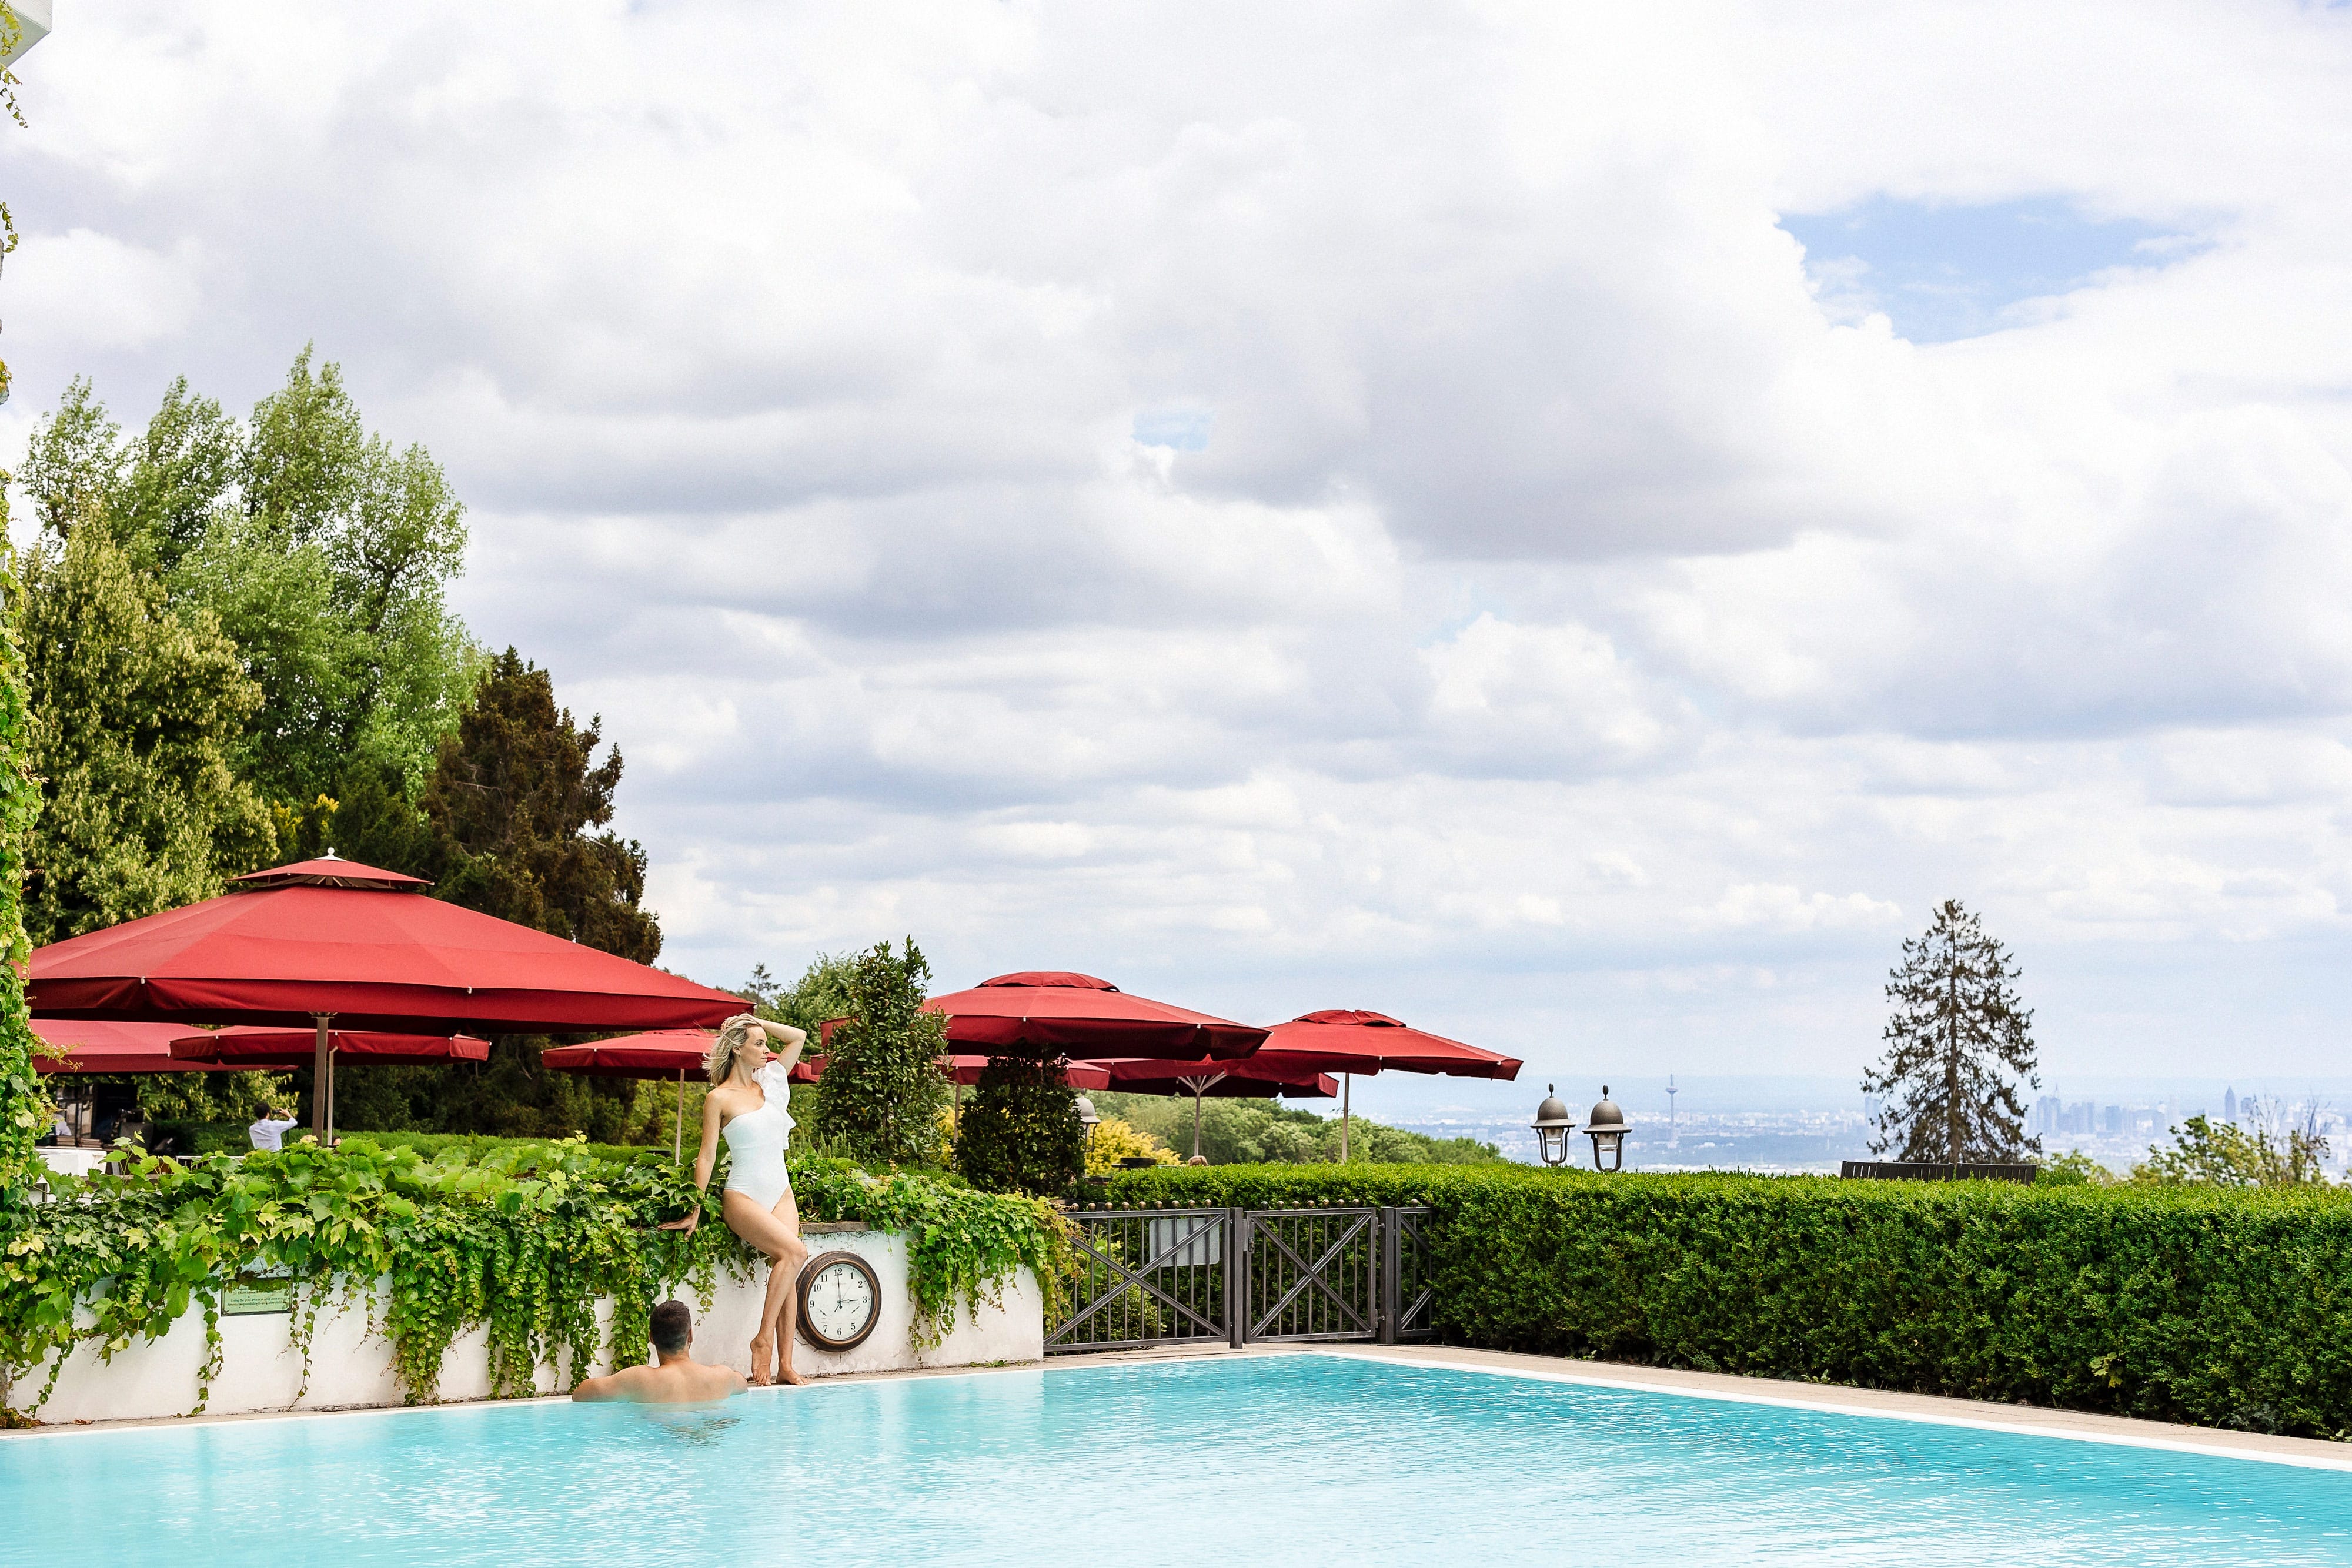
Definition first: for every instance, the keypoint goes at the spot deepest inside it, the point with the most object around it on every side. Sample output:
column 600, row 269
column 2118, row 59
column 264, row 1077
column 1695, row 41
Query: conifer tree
column 1957, row 1044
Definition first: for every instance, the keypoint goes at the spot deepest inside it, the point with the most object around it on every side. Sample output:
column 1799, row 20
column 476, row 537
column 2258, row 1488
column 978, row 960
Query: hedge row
column 2216, row 1306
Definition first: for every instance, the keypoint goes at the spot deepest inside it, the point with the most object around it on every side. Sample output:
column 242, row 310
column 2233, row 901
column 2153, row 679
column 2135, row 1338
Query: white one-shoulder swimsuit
column 756, row 1139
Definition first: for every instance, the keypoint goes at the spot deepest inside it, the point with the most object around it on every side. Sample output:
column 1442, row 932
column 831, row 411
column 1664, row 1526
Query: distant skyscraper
column 2229, row 1104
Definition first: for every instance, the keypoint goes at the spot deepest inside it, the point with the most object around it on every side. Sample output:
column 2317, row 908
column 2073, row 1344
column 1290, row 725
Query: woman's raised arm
column 793, row 1040
column 706, row 1157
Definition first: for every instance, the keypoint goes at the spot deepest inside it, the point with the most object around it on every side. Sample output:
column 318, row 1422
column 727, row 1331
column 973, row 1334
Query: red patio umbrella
column 663, row 1053
column 247, row 1046
column 97, row 1046
column 328, row 940
column 279, row 1049
column 1347, row 1041
column 1247, row 1079
column 1081, row 1018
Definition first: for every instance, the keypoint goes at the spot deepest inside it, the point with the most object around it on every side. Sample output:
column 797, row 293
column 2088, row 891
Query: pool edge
column 2027, row 1420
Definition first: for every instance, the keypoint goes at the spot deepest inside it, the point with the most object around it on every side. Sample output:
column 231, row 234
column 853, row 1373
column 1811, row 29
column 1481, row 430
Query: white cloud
column 1314, row 506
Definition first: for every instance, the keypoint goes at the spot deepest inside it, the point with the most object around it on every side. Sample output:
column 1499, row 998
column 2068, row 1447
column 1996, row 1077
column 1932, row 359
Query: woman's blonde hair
column 731, row 1036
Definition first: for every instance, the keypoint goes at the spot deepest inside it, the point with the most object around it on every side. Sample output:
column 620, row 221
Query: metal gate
column 1150, row 1277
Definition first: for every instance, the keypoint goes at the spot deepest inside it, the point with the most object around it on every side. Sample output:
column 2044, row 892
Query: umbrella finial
column 331, row 854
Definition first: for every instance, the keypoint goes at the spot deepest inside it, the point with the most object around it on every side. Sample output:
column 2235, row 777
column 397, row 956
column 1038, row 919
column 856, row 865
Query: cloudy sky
column 1572, row 526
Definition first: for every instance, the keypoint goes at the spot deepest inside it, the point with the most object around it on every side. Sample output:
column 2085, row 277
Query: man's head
column 673, row 1328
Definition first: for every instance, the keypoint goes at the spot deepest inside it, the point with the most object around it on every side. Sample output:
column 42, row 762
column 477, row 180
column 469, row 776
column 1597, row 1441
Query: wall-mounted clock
column 840, row 1301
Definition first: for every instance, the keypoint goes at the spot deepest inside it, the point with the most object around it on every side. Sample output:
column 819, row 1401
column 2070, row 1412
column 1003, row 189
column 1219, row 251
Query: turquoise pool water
column 1297, row 1459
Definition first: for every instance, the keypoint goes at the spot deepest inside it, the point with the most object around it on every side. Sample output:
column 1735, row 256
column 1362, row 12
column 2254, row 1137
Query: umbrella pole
column 678, row 1133
column 1346, row 1082
column 1196, row 1121
column 321, row 1083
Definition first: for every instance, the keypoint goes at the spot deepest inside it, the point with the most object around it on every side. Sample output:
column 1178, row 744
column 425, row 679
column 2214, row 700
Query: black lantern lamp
column 1552, row 1126
column 1607, row 1127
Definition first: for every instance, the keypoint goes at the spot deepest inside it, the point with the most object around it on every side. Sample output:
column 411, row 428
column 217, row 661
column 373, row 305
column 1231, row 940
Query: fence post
column 1389, row 1253
column 1238, row 1240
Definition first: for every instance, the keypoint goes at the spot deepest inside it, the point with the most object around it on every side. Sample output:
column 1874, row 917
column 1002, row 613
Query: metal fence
column 1154, row 1276
column 1932, row 1170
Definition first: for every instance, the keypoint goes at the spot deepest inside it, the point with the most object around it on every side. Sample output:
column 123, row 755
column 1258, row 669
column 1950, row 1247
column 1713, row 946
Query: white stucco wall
column 349, row 1367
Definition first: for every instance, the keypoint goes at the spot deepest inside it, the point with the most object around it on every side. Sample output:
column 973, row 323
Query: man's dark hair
column 672, row 1324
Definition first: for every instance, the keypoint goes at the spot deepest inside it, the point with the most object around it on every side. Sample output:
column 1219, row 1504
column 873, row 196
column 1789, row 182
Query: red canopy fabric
column 1081, row 1017
column 365, row 945
column 99, row 1046
column 284, row 1048
column 1344, row 1041
column 1247, row 1079
column 1087, row 1076
column 663, row 1053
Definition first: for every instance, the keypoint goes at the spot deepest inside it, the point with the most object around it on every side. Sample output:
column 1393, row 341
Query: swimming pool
column 1304, row 1457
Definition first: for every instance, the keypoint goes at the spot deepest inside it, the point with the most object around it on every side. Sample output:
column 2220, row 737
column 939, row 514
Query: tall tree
column 514, row 805
column 883, row 1094
column 514, row 823
column 1956, row 1046
column 135, row 712
column 23, row 1101
column 323, row 553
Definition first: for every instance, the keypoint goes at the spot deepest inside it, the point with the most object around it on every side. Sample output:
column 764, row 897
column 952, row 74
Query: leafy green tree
column 136, row 711
column 23, row 1104
column 1959, row 1041
column 1021, row 1132
column 820, row 995
column 321, row 552
column 2222, row 1153
column 883, row 1094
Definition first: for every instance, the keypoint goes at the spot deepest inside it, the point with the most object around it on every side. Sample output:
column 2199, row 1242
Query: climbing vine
column 522, row 1242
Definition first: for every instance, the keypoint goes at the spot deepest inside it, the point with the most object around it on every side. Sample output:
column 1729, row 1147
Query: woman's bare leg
column 785, row 1252
column 787, row 1213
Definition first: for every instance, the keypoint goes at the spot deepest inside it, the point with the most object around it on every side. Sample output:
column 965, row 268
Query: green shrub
column 2218, row 1307
column 1021, row 1133
column 882, row 1096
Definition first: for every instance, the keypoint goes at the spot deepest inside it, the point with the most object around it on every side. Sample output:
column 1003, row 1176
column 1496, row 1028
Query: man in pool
column 678, row 1379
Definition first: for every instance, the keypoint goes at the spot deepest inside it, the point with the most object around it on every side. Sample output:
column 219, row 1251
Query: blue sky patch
column 1943, row 273
column 1185, row 429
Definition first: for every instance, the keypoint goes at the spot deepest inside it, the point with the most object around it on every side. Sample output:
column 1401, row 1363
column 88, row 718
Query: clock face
column 839, row 1298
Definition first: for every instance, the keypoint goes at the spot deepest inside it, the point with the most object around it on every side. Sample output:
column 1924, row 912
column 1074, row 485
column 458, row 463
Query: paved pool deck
column 1978, row 1413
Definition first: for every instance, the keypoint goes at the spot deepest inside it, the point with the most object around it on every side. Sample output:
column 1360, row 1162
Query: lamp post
column 1552, row 1126
column 1607, row 1127
column 1087, row 1118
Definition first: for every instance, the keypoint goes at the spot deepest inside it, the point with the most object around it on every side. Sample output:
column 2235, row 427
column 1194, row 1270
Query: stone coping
column 2028, row 1419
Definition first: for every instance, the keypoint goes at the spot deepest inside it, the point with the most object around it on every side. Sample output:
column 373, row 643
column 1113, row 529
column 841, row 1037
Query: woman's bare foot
column 786, row 1374
column 762, row 1351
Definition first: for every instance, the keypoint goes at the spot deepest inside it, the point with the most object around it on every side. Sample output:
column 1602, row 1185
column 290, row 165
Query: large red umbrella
column 252, row 1046
column 1347, row 1041
column 283, row 1048
column 330, row 941
column 1247, row 1079
column 97, row 1046
column 1077, row 1016
column 663, row 1053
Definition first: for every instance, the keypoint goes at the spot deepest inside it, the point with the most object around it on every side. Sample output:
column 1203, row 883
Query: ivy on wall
column 522, row 1241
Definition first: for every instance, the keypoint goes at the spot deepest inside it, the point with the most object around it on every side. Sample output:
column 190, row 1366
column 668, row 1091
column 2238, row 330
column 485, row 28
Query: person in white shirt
column 269, row 1133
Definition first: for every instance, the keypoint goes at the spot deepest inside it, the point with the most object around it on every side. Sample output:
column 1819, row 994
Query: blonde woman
column 749, row 1099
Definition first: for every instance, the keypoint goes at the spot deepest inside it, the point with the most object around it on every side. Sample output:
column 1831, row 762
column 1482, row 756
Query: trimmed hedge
column 2216, row 1307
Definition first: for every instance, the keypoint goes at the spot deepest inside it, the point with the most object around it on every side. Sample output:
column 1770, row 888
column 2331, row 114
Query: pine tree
column 513, row 824
column 1957, row 1043
column 882, row 1094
